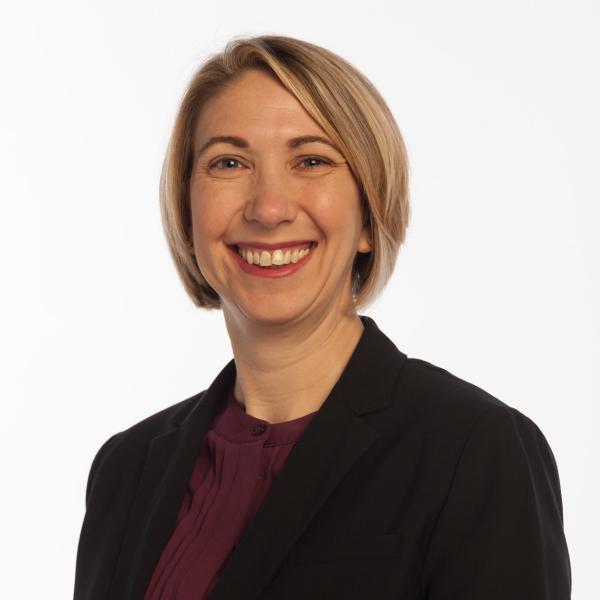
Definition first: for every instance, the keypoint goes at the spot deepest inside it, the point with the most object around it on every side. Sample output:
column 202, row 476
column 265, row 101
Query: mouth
column 277, row 262
column 274, row 256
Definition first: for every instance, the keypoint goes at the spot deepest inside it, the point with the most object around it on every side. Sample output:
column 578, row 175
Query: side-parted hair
column 345, row 104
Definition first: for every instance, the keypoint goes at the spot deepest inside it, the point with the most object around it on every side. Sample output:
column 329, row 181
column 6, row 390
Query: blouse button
column 258, row 429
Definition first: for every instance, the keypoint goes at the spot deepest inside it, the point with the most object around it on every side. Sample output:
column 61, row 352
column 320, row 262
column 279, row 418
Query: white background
column 498, row 281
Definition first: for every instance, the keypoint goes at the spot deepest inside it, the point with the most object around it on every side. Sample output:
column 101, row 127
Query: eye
column 317, row 158
column 220, row 160
column 230, row 159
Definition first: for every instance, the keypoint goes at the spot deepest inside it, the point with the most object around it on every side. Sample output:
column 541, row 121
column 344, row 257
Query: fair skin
column 291, row 335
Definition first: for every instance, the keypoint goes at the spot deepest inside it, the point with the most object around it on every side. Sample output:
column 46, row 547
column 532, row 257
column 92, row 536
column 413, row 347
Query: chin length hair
column 345, row 104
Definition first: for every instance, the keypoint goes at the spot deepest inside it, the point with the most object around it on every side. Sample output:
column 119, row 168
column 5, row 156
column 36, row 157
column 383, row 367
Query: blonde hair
column 345, row 104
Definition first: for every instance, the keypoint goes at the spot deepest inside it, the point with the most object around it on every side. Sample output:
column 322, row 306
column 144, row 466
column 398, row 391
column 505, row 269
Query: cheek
column 337, row 214
column 209, row 220
column 205, row 236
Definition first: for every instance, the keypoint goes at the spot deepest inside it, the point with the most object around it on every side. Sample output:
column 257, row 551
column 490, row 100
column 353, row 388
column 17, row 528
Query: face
column 262, row 193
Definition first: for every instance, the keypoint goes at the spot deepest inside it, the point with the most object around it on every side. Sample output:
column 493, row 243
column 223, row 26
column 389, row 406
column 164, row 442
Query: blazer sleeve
column 100, row 454
column 500, row 531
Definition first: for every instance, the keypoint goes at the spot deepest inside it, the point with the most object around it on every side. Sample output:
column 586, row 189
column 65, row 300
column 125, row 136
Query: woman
column 322, row 462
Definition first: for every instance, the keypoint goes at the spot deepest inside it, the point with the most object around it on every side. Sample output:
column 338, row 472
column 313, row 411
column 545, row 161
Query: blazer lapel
column 333, row 441
column 165, row 476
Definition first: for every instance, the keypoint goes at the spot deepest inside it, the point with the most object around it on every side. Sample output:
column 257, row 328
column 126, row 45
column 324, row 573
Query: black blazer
column 409, row 483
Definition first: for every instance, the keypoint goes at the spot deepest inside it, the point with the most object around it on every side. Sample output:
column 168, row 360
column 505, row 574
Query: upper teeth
column 264, row 258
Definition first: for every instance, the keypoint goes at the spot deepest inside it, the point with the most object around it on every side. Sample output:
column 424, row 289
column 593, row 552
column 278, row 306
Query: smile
column 275, row 263
column 278, row 257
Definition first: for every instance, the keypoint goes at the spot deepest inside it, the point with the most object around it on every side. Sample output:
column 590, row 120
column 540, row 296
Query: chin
column 276, row 312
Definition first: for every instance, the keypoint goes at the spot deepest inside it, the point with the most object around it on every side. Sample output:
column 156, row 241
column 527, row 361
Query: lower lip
column 281, row 271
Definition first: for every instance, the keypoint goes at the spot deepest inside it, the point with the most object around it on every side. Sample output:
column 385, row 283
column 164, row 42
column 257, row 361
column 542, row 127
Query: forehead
column 256, row 105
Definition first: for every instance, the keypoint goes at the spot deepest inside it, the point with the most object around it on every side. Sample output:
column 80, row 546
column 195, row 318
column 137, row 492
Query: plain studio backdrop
column 498, row 281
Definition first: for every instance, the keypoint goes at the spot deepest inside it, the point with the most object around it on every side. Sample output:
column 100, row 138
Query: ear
column 364, row 241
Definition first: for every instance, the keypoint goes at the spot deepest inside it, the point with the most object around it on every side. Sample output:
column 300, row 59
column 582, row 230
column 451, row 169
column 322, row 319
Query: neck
column 285, row 371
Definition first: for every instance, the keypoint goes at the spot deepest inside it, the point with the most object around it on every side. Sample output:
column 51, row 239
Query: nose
column 271, row 202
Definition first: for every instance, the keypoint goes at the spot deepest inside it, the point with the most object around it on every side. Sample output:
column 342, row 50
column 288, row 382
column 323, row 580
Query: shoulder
column 127, row 448
column 439, row 395
column 452, row 410
column 459, row 423
column 162, row 421
column 442, row 388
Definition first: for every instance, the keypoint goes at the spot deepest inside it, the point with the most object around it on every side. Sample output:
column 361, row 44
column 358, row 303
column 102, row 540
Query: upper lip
column 266, row 246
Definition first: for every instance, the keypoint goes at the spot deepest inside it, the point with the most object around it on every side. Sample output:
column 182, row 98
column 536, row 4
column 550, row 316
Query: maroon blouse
column 233, row 473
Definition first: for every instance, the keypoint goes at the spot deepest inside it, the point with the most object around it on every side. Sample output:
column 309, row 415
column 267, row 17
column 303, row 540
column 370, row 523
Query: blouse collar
column 235, row 425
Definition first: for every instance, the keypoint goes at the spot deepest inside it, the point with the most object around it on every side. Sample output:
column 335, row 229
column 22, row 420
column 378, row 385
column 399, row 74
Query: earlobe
column 364, row 244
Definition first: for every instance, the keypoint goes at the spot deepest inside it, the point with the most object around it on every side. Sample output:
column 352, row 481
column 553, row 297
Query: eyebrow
column 239, row 142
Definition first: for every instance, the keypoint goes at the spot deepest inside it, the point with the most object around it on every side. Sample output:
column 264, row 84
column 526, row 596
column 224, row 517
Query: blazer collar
column 334, row 439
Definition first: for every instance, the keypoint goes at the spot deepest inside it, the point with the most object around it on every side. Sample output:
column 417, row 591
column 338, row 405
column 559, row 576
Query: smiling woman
column 321, row 108
column 322, row 462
